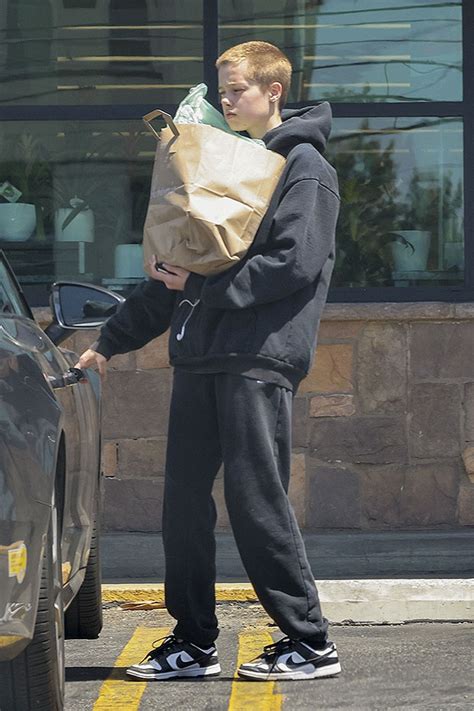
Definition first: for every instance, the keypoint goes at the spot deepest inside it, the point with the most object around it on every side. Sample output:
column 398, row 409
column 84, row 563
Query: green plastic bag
column 195, row 109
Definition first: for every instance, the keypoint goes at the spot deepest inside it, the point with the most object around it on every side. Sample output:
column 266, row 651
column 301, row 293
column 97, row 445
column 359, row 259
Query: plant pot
column 17, row 221
column 80, row 229
column 129, row 261
column 410, row 254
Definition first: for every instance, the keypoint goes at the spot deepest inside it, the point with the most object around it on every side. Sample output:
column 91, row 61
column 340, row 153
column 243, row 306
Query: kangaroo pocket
column 206, row 331
column 235, row 333
column 273, row 330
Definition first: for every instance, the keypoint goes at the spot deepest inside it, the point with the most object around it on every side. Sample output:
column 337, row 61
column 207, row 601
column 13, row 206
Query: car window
column 11, row 301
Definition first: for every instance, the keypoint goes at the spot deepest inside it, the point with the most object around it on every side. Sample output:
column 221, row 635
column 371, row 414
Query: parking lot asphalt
column 413, row 666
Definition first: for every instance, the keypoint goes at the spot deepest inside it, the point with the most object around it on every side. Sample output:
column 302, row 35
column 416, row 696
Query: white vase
column 410, row 254
column 129, row 261
column 17, row 221
column 80, row 229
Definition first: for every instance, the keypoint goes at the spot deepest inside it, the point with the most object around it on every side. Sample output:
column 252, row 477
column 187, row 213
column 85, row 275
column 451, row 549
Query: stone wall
column 383, row 425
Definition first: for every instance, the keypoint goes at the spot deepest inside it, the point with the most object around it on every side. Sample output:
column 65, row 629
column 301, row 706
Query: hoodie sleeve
column 301, row 241
column 143, row 316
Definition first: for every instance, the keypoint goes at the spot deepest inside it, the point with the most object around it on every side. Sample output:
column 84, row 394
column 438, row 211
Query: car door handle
column 71, row 377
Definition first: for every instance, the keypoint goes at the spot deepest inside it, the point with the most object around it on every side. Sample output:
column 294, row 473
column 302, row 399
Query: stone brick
column 381, row 371
column 297, row 489
column 332, row 370
column 109, row 458
column 154, row 354
column 136, row 404
column 362, row 440
column 141, row 458
column 442, row 350
column 42, row 315
column 466, row 506
column 468, row 459
column 469, row 412
column 332, row 406
column 434, row 425
column 338, row 330
column 133, row 504
column 381, row 487
column 300, row 433
column 429, row 495
column 333, row 497
column 82, row 340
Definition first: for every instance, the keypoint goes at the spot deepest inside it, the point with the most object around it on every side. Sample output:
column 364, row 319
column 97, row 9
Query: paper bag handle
column 148, row 118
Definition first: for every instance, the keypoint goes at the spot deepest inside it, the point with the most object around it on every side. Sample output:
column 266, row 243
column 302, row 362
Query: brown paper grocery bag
column 209, row 193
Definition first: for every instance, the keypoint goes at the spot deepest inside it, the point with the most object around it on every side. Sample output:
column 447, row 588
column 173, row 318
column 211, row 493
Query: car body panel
column 36, row 421
column 30, row 419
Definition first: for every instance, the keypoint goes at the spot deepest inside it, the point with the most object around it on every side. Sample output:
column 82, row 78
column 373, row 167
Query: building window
column 77, row 75
column 393, row 72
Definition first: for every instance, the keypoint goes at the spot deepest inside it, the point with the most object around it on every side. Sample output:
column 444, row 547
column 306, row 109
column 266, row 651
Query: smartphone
column 160, row 268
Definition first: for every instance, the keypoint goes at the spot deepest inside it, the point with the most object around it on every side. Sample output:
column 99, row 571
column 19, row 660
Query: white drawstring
column 180, row 335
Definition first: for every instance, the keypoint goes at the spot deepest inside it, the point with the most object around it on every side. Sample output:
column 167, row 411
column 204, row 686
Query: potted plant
column 416, row 223
column 368, row 210
column 25, row 189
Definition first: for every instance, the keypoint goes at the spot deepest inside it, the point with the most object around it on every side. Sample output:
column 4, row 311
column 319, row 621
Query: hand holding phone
column 160, row 268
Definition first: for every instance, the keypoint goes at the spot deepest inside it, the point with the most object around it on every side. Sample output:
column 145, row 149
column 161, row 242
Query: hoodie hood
column 311, row 124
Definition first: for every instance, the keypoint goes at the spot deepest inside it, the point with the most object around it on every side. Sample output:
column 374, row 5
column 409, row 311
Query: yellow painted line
column 146, row 592
column 123, row 693
column 258, row 695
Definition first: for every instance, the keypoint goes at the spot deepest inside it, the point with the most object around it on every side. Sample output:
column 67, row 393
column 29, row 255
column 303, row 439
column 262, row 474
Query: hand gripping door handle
column 148, row 118
column 73, row 376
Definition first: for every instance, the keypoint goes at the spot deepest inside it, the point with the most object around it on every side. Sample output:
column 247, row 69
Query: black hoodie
column 260, row 317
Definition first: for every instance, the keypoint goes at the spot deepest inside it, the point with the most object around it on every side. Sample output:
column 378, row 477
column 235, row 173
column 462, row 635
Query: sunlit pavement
column 413, row 666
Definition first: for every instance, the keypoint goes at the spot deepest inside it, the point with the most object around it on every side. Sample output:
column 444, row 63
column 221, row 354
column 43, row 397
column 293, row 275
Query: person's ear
column 275, row 90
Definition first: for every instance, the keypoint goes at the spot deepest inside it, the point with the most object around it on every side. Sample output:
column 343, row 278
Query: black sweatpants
column 246, row 424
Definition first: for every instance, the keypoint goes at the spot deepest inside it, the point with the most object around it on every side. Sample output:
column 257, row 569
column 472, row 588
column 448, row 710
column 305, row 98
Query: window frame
column 463, row 109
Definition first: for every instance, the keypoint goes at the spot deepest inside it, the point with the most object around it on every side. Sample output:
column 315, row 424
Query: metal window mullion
column 397, row 109
column 97, row 112
column 210, row 11
column 468, row 101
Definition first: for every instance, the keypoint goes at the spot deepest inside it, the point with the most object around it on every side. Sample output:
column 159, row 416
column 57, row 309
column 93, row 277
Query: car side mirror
column 79, row 306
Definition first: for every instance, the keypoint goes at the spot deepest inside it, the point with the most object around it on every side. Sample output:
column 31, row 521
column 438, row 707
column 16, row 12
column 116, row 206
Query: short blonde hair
column 265, row 64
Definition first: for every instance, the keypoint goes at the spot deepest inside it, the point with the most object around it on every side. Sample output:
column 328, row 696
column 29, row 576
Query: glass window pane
column 73, row 199
column 401, row 220
column 99, row 52
column 357, row 50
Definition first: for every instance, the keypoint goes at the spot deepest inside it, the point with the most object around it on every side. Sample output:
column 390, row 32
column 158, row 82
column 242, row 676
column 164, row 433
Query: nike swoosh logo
column 180, row 660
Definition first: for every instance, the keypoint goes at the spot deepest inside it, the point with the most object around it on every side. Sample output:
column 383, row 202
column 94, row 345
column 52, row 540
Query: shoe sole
column 322, row 672
column 213, row 670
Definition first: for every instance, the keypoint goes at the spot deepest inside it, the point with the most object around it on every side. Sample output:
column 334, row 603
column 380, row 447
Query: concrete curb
column 387, row 601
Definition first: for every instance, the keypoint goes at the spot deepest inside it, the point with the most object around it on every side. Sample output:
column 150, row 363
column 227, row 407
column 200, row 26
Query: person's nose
column 225, row 101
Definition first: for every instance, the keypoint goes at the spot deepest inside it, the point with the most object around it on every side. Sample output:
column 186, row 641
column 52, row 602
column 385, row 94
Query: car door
column 79, row 425
column 30, row 426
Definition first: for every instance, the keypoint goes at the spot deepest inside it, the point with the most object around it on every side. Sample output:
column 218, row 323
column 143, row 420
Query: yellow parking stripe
column 124, row 694
column 256, row 695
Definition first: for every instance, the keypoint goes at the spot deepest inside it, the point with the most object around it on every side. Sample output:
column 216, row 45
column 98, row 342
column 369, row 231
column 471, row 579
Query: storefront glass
column 74, row 185
column 401, row 221
column 85, row 188
column 99, row 51
column 357, row 50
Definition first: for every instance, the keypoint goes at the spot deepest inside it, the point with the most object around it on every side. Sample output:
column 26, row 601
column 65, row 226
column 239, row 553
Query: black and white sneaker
column 289, row 659
column 176, row 658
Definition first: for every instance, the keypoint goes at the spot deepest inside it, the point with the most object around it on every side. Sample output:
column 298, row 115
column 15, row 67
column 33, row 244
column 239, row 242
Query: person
column 240, row 343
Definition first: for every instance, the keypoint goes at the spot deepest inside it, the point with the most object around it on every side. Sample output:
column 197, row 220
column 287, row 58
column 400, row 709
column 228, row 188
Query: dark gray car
column 49, row 491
